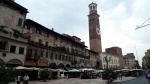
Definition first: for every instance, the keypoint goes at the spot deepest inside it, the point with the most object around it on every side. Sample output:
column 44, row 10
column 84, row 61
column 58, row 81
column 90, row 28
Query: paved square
column 76, row 81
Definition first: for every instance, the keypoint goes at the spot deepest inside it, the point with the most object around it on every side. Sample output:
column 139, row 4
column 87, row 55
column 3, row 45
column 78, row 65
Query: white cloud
column 128, row 24
column 119, row 10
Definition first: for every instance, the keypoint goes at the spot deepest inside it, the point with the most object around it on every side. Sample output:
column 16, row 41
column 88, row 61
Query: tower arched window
column 90, row 8
column 93, row 7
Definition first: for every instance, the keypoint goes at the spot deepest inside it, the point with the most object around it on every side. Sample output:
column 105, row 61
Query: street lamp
column 107, row 59
column 144, row 24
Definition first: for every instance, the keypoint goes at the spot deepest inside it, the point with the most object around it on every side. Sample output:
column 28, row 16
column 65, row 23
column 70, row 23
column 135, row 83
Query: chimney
column 52, row 29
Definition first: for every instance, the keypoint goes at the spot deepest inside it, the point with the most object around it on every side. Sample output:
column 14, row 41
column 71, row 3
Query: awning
column 87, row 69
column 97, row 71
column 74, row 70
column 68, row 68
column 62, row 68
column 22, row 68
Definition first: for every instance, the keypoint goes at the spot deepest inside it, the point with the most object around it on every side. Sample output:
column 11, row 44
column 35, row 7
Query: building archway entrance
column 14, row 63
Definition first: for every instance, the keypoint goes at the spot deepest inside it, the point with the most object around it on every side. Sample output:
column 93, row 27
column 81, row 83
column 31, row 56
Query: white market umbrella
column 35, row 68
column 20, row 67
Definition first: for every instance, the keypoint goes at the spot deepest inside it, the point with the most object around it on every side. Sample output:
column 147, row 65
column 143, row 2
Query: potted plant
column 45, row 74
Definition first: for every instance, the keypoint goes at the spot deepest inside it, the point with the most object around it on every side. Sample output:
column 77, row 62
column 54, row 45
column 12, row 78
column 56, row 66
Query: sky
column 118, row 21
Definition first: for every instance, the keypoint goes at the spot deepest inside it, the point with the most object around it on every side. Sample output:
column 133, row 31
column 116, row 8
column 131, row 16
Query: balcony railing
column 59, row 49
column 13, row 34
column 29, row 57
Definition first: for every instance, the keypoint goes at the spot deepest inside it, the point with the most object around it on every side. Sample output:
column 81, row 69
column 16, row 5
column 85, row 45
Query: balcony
column 29, row 57
column 59, row 49
column 37, row 44
column 13, row 34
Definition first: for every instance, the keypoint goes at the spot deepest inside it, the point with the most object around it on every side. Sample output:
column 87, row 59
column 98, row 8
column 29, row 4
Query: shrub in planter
column 45, row 74
column 106, row 73
column 6, row 74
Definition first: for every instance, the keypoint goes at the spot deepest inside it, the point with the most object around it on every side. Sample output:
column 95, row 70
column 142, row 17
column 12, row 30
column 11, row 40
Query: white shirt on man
column 148, row 75
column 18, row 78
column 26, row 78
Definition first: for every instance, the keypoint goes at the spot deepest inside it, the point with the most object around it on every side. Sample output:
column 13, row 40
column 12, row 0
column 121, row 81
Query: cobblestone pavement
column 77, row 81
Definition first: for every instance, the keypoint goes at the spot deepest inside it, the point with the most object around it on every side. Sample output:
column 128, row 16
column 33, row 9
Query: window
column 52, row 56
column 59, row 57
column 3, row 45
column 19, row 22
column 46, row 43
column 56, row 56
column 35, row 54
column 46, row 54
column 21, row 50
column 38, row 31
column 69, row 59
column 66, row 58
column 63, row 57
column 61, row 40
column 40, row 41
column 30, row 52
column 12, row 49
column 47, row 34
column 56, row 38
column 41, row 53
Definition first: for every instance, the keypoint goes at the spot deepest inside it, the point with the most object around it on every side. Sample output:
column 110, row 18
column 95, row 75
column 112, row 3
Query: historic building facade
column 48, row 48
column 118, row 52
column 13, row 33
column 28, row 43
column 146, row 59
column 129, row 60
column 112, row 63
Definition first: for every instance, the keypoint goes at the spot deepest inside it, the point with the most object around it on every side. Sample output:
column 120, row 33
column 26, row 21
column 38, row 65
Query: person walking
column 148, row 76
column 110, row 79
column 26, row 79
column 67, row 76
column 18, row 79
column 120, row 75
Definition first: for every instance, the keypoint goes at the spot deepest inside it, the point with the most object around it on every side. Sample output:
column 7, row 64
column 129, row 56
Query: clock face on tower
column 98, row 31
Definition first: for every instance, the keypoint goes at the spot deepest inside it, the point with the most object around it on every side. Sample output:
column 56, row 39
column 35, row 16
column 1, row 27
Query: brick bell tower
column 94, row 29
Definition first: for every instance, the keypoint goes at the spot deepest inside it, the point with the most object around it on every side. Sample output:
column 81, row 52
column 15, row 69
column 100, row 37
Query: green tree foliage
column 45, row 74
column 106, row 73
column 6, row 74
column 137, row 64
